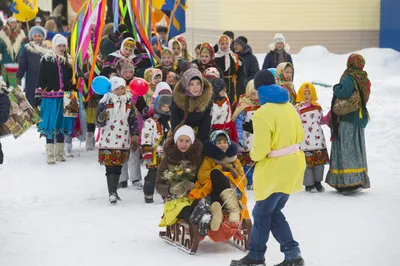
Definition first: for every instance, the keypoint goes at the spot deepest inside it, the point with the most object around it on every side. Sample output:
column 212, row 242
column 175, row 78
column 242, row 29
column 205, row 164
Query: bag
column 343, row 107
column 71, row 104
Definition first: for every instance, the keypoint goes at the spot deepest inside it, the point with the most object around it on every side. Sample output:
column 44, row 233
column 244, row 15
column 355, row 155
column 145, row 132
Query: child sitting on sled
column 221, row 177
column 177, row 173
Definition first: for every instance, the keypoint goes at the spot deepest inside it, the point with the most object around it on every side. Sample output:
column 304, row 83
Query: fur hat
column 37, row 30
column 263, row 77
column 190, row 75
column 58, row 39
column 164, row 99
column 117, row 82
column 279, row 38
column 184, row 131
column 38, row 19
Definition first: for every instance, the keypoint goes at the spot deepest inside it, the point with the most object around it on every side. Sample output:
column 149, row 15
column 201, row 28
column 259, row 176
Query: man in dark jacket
column 4, row 113
column 250, row 62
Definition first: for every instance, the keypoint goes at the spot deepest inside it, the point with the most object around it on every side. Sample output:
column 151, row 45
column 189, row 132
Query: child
column 211, row 73
column 154, row 134
column 116, row 118
column 55, row 77
column 243, row 117
column 175, row 46
column 118, row 58
column 313, row 145
column 219, row 171
column 232, row 67
column 177, row 173
column 221, row 112
column 206, row 59
column 153, row 76
column 284, row 75
column 197, row 51
column 186, row 55
column 171, row 78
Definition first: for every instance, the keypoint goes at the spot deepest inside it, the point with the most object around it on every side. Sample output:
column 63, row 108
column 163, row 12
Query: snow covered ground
column 59, row 215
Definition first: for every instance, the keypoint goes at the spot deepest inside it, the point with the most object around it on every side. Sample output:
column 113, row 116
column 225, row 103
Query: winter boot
column 112, row 184
column 231, row 204
column 216, row 213
column 51, row 159
column 247, row 261
column 137, row 185
column 90, row 141
column 123, row 184
column 113, row 198
column 319, row 187
column 311, row 189
column 296, row 262
column 68, row 150
column 148, row 198
column 60, row 152
column 202, row 207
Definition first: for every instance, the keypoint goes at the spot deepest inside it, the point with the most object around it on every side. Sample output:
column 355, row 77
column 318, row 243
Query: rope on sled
column 234, row 190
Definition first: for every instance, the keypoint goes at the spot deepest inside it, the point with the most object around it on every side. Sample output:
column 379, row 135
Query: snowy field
column 59, row 215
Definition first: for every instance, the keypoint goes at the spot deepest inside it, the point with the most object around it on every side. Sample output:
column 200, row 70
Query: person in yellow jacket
column 279, row 171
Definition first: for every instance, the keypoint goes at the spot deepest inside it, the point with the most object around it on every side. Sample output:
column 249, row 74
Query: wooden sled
column 186, row 236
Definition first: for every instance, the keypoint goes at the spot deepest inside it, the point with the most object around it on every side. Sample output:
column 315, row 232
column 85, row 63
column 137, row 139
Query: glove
column 230, row 169
column 189, row 185
column 248, row 126
column 38, row 101
column 103, row 116
column 135, row 143
column 178, row 189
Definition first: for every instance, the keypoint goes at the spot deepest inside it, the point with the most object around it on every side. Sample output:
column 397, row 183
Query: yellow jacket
column 276, row 125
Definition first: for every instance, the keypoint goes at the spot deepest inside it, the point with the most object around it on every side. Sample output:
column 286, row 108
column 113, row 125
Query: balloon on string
column 273, row 71
column 101, row 85
column 24, row 11
column 138, row 86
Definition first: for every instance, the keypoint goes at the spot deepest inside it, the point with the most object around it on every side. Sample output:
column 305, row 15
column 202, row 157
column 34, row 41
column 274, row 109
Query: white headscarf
column 227, row 55
column 119, row 111
column 119, row 53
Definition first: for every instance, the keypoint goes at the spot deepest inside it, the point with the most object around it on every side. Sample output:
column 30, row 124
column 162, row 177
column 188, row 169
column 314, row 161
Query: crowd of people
column 209, row 126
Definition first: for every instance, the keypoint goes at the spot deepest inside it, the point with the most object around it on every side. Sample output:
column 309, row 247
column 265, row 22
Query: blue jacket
column 271, row 60
column 4, row 113
column 29, row 62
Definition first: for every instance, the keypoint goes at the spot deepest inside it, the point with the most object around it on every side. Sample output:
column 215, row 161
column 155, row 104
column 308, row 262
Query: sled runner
column 186, row 236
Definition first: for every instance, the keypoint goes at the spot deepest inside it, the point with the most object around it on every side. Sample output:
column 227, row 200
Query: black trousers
column 112, row 174
column 219, row 184
column 150, row 182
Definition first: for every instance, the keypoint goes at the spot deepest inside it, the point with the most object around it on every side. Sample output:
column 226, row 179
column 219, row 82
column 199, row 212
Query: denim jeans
column 268, row 217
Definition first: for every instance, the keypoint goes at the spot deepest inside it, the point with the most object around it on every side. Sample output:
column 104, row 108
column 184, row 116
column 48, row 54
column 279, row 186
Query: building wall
column 340, row 25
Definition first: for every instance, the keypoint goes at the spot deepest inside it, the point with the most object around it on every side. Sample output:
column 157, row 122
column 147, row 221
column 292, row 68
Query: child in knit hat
column 221, row 111
column 119, row 133
column 153, row 76
column 177, row 174
column 313, row 145
column 153, row 136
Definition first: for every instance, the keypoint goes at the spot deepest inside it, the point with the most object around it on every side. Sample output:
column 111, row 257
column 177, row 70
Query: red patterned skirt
column 318, row 157
column 113, row 157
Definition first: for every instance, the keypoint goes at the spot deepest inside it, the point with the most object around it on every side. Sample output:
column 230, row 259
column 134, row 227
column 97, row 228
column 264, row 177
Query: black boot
column 319, row 187
column 311, row 189
column 296, row 262
column 148, row 198
column 112, row 184
column 247, row 261
column 123, row 184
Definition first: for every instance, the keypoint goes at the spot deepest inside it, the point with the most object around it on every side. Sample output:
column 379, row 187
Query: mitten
column 102, row 116
column 189, row 185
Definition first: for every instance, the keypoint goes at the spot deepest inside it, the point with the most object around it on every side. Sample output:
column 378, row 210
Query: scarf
column 245, row 100
column 355, row 66
column 227, row 54
column 119, row 111
column 286, row 84
column 281, row 56
column 311, row 88
column 12, row 34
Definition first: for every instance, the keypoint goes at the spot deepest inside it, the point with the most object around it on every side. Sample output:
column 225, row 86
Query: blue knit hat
column 37, row 30
column 216, row 133
column 154, row 40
